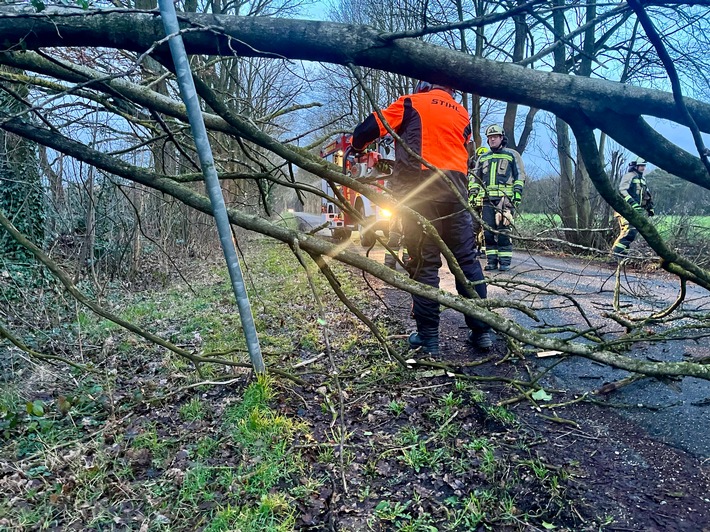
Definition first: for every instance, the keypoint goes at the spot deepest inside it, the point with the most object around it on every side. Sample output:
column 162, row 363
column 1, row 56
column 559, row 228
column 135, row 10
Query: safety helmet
column 482, row 150
column 495, row 129
column 426, row 86
column 633, row 165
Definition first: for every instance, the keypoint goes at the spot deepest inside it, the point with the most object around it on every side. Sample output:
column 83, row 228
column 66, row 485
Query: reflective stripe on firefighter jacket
column 434, row 126
column 476, row 191
column 502, row 173
column 634, row 190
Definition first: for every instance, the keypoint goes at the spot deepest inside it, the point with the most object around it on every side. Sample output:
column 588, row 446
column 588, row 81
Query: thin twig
column 334, row 369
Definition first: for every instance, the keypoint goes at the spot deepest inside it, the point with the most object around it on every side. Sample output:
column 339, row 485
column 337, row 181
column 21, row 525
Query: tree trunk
column 57, row 197
column 86, row 257
column 20, row 187
column 511, row 109
column 582, row 182
column 582, row 199
column 568, row 204
column 476, row 123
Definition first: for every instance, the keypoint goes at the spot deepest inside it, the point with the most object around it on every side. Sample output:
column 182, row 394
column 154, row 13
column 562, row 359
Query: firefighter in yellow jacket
column 502, row 174
column 476, row 192
column 634, row 190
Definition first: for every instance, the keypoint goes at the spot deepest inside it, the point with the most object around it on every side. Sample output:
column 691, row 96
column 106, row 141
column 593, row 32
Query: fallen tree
column 586, row 104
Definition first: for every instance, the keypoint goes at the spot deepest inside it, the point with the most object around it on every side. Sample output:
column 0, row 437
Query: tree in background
column 673, row 195
column 21, row 192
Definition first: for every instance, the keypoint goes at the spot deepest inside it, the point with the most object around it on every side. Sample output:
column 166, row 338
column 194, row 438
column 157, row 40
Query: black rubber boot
column 427, row 340
column 482, row 340
column 491, row 265
column 504, row 266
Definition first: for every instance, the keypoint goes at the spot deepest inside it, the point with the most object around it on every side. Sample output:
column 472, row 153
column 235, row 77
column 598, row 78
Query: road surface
column 676, row 412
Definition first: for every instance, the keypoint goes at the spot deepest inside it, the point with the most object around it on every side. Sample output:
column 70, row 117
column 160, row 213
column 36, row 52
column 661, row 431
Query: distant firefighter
column 476, row 192
column 502, row 174
column 634, row 190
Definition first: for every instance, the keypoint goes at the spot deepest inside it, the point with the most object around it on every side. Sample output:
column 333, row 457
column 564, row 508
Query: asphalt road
column 676, row 412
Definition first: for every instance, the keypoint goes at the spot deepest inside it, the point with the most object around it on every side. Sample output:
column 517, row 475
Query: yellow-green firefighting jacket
column 476, row 192
column 502, row 174
column 634, row 190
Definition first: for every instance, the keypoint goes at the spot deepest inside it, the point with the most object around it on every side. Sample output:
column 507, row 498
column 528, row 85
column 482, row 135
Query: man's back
column 436, row 127
column 433, row 126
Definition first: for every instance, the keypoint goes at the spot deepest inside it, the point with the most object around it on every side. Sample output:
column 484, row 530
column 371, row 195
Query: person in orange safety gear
column 436, row 128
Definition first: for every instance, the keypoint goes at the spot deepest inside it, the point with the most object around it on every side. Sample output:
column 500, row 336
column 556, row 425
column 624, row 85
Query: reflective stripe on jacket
column 502, row 173
column 476, row 192
column 633, row 186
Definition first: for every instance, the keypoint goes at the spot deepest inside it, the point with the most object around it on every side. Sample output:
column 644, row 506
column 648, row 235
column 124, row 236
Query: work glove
column 472, row 195
column 357, row 152
column 507, row 217
column 383, row 167
column 649, row 207
column 517, row 198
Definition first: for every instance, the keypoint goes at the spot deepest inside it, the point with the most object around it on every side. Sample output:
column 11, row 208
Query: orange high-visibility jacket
column 433, row 125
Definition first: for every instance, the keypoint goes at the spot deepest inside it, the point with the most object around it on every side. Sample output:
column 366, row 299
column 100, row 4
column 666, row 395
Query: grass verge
column 144, row 444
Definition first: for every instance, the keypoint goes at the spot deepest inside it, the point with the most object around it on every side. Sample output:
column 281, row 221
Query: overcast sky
column 538, row 154
column 678, row 134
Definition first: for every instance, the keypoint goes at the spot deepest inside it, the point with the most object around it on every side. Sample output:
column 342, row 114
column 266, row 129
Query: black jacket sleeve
column 365, row 133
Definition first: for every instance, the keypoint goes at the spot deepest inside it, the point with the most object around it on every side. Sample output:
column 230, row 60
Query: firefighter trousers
column 627, row 234
column 453, row 223
column 499, row 246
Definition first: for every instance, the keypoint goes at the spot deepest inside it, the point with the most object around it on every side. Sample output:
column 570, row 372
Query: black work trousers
column 453, row 223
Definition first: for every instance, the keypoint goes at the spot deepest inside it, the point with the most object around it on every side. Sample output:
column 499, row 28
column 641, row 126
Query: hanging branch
column 80, row 297
column 674, row 305
column 477, row 22
column 668, row 64
column 5, row 333
column 99, row 310
column 335, row 285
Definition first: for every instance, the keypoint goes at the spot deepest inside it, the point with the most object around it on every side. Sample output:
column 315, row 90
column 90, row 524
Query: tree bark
column 582, row 200
column 605, row 105
column 568, row 203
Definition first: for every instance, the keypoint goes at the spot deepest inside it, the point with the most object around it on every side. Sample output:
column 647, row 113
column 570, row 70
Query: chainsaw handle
column 347, row 153
column 352, row 153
